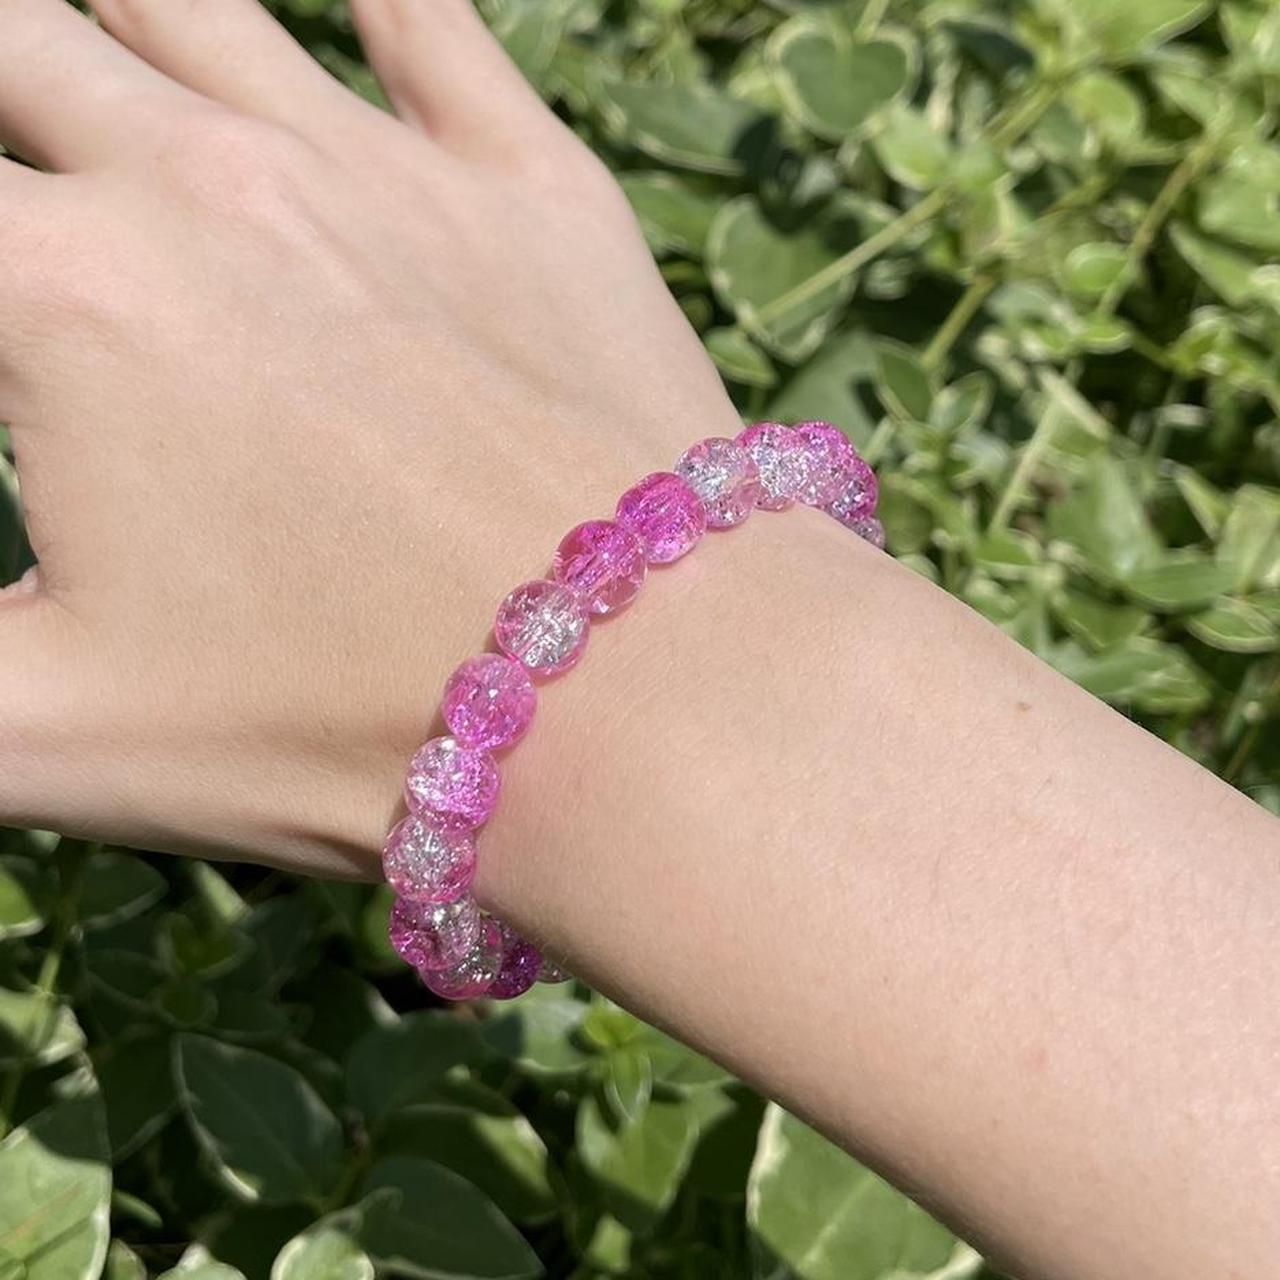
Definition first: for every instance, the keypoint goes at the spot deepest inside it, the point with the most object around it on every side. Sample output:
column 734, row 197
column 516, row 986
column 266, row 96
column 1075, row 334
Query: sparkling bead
column 858, row 495
column 723, row 474
column 779, row 457
column 454, row 787
column 666, row 515
column 521, row 963
column 603, row 562
column 870, row 529
column 435, row 936
column 473, row 974
column 552, row 972
column 425, row 865
column 544, row 625
column 828, row 456
column 489, row 702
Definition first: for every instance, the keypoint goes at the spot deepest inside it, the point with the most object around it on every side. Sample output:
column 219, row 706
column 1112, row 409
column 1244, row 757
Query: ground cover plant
column 1027, row 253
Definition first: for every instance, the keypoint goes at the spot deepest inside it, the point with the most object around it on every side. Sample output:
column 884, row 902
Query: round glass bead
column 489, row 702
column 542, row 624
column 858, row 495
column 871, row 530
column 665, row 514
column 828, row 455
column 722, row 473
column 433, row 936
column 472, row 975
column 521, row 964
column 603, row 562
column 779, row 457
column 453, row 787
column 551, row 972
column 425, row 865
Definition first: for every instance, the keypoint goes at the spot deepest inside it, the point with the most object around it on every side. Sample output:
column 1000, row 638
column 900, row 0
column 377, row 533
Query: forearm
column 820, row 819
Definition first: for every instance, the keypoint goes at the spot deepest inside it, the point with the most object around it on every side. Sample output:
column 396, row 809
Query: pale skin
column 298, row 390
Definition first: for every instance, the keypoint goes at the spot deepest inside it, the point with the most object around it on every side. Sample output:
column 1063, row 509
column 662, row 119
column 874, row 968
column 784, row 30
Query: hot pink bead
column 665, row 514
column 521, row 963
column 828, row 455
column 473, row 975
column 453, row 787
column 871, row 530
column 425, row 865
column 489, row 702
column 723, row 474
column 858, row 495
column 435, row 936
column 603, row 562
column 779, row 457
column 543, row 624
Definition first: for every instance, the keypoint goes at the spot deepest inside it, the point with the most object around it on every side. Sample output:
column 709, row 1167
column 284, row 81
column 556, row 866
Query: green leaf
column 137, row 1086
column 1007, row 553
column 910, row 150
column 963, row 405
column 116, row 887
column 1145, row 674
column 904, row 385
column 1182, row 580
column 1105, row 521
column 671, row 215
column 396, row 1066
column 1207, row 502
column 1123, row 31
column 738, row 358
column 628, row 1083
column 26, row 892
column 198, row 1264
column 123, row 1263
column 1236, row 626
column 691, row 127
column 537, row 1032
column 761, row 272
column 438, row 1225
column 1091, row 269
column 826, row 1217
column 36, row 1030
column 487, row 1142
column 1250, row 541
column 826, row 387
column 638, row 1165
column 270, row 1137
column 1096, row 623
column 834, row 85
column 56, row 1183
column 328, row 1250
column 1227, row 271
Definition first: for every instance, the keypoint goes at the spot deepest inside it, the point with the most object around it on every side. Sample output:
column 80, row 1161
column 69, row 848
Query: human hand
column 294, row 388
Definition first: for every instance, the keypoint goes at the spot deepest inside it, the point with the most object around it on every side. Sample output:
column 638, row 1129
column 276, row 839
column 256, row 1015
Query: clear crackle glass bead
column 433, row 936
column 521, row 964
column 603, row 562
column 542, row 624
column 453, row 787
column 489, row 702
column 423, row 864
column 858, row 495
column 724, row 475
column 870, row 530
column 665, row 514
column 828, row 455
column 551, row 972
column 780, row 460
column 472, row 975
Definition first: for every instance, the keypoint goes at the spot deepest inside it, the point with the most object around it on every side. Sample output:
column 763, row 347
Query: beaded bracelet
column 460, row 951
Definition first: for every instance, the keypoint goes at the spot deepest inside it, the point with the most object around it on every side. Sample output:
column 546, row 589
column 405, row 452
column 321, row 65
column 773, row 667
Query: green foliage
column 1024, row 251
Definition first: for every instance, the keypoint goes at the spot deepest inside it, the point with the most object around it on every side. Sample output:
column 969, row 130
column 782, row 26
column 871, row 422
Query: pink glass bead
column 433, row 936
column 871, row 530
column 544, row 625
column 603, row 562
column 723, row 474
column 489, row 702
column 858, row 495
column 779, row 457
column 828, row 455
column 425, row 865
column 473, row 975
column 665, row 514
column 454, row 787
column 521, row 963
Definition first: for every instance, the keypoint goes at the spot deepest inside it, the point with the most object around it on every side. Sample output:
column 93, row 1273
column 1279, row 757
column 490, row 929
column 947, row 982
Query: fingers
column 234, row 52
column 70, row 96
column 444, row 72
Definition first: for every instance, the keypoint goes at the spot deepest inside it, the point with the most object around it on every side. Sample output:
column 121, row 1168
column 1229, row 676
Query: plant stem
column 1251, row 736
column 966, row 307
column 1040, row 440
column 872, row 16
